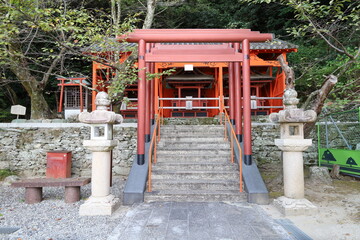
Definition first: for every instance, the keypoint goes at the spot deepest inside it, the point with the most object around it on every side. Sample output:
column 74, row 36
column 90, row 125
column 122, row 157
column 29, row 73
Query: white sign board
column 188, row 67
column 18, row 110
column 189, row 103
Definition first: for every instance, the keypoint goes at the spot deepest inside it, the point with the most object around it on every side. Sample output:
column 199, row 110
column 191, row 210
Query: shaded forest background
column 42, row 40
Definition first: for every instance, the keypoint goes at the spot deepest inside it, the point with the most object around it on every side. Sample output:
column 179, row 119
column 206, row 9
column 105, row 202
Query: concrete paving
column 198, row 221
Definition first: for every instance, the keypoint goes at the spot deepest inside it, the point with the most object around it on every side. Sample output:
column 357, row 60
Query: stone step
column 193, row 164
column 194, row 146
column 193, row 127
column 195, row 184
column 205, row 158
column 192, row 121
column 193, row 152
column 195, row 196
column 200, row 139
column 192, row 134
column 182, row 166
column 180, row 175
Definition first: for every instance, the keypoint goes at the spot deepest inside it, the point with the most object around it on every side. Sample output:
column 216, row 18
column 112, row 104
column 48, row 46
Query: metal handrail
column 152, row 149
column 189, row 99
column 232, row 140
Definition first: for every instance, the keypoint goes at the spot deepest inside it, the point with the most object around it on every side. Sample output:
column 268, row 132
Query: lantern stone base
column 295, row 207
column 96, row 206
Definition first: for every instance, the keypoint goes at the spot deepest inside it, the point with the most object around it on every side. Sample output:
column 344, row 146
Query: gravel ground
column 53, row 219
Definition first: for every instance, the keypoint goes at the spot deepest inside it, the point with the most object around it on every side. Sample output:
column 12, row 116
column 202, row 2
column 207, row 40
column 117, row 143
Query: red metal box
column 58, row 164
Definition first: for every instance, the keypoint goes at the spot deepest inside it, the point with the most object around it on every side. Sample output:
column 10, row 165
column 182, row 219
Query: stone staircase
column 193, row 165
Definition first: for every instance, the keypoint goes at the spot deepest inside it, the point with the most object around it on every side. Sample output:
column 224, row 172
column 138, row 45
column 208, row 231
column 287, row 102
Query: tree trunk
column 39, row 107
column 19, row 66
column 318, row 102
column 150, row 13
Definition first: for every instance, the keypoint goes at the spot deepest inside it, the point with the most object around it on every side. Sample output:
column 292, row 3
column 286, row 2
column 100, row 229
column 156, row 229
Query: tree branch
column 309, row 98
column 318, row 103
column 343, row 50
column 289, row 72
column 46, row 76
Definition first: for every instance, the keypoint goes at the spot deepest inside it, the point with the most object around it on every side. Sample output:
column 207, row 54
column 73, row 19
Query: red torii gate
column 145, row 38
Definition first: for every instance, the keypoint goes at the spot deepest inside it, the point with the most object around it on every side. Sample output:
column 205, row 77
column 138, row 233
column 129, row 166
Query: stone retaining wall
column 23, row 147
column 264, row 149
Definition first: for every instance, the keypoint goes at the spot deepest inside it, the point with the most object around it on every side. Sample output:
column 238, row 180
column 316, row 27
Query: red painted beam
column 214, row 35
column 196, row 30
column 178, row 51
column 192, row 47
column 238, row 57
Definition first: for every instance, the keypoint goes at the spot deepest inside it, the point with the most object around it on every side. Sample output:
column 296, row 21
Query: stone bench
column 33, row 187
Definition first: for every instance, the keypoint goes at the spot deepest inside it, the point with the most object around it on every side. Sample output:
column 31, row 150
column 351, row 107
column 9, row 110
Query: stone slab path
column 198, row 221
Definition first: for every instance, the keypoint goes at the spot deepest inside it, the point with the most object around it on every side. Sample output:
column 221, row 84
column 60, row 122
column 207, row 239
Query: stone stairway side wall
column 24, row 148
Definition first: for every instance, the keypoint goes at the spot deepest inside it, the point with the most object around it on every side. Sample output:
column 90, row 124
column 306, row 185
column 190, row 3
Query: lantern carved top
column 292, row 114
column 101, row 115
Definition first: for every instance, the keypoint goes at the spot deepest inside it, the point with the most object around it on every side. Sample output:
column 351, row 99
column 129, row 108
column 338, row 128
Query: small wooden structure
column 74, row 96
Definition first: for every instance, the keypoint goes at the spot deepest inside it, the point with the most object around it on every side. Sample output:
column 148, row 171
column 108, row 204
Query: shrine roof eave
column 238, row 57
column 278, row 50
column 197, row 35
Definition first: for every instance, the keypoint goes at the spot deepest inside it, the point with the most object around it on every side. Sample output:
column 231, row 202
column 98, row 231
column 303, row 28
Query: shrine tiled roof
column 112, row 45
column 274, row 44
column 108, row 45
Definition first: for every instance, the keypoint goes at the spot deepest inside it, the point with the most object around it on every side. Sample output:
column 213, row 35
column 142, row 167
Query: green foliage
column 47, row 39
column 226, row 14
column 328, row 34
column 311, row 65
column 37, row 38
column 5, row 173
column 46, row 32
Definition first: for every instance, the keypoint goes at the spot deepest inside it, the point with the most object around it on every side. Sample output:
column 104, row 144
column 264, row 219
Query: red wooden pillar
column 221, row 89
column 152, row 86
column 61, row 95
column 238, row 120
column 156, row 93
column 141, row 103
column 148, row 103
column 231, row 92
column 81, row 96
column 94, row 84
column 246, row 102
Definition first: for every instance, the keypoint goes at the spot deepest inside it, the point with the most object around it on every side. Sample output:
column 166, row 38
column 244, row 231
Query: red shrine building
column 215, row 70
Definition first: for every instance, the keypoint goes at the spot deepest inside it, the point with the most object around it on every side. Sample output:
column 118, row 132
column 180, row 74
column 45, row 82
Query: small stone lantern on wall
column 101, row 142
column 292, row 144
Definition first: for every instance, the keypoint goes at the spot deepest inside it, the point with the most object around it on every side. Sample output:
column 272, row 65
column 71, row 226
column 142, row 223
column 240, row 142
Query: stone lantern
column 292, row 144
column 101, row 142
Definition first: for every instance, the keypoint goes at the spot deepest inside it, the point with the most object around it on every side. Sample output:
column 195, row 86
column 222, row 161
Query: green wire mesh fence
column 339, row 141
